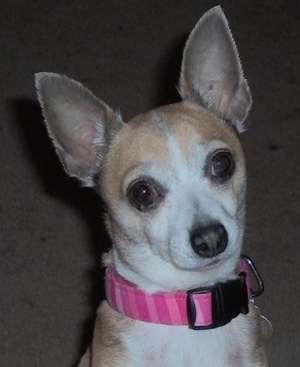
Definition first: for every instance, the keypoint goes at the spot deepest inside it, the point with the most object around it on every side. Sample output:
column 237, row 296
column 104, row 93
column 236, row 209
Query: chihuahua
column 173, row 181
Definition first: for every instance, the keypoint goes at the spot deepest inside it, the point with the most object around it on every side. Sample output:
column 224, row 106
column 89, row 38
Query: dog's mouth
column 201, row 264
column 214, row 262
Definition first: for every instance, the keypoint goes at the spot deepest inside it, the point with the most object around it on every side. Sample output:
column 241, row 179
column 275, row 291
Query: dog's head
column 173, row 179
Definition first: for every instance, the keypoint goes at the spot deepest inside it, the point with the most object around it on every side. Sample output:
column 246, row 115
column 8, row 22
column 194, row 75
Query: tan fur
column 107, row 347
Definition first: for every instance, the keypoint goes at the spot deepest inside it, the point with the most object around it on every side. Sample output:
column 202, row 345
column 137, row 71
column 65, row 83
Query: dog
column 173, row 181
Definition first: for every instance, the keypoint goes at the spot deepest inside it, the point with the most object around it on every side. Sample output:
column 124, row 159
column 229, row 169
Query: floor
column 128, row 53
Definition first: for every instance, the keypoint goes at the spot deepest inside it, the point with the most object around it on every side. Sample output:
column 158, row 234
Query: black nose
column 209, row 241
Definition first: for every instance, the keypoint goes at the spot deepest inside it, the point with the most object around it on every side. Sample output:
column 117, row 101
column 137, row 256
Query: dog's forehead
column 149, row 138
column 149, row 134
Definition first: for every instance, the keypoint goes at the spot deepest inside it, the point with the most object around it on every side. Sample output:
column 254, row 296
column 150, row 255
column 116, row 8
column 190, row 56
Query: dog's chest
column 163, row 346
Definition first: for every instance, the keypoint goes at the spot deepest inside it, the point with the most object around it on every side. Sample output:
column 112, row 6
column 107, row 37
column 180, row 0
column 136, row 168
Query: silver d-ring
column 260, row 284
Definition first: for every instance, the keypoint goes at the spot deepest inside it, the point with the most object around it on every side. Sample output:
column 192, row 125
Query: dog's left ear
column 211, row 72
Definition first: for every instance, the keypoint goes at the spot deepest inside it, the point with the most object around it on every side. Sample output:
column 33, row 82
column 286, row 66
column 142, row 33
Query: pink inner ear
column 79, row 140
column 211, row 72
column 235, row 107
column 225, row 101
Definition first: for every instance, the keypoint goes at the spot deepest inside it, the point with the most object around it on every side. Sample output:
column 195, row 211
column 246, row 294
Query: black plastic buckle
column 228, row 301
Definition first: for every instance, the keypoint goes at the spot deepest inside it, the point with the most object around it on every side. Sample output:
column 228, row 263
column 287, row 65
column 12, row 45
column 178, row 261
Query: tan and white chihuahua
column 174, row 182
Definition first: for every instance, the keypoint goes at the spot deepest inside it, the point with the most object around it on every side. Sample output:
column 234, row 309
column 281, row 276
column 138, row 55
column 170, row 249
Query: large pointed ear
column 211, row 72
column 80, row 125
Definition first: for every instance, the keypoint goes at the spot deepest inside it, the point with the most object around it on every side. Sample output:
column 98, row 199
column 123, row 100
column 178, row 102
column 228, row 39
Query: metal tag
column 266, row 328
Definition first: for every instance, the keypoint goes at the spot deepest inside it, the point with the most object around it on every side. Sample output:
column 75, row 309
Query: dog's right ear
column 79, row 124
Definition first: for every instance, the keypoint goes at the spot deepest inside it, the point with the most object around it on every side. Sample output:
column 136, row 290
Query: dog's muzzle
column 210, row 240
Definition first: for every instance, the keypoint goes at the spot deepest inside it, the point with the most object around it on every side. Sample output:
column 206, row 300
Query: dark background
column 128, row 53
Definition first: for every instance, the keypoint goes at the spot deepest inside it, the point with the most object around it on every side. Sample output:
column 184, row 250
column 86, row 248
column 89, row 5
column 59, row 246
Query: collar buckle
column 228, row 300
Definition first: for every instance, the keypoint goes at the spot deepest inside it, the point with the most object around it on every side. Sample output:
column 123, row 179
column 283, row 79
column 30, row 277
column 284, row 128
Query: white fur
column 178, row 346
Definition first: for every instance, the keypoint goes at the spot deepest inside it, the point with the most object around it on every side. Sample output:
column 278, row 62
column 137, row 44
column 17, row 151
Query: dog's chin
column 213, row 263
column 178, row 273
column 206, row 273
column 222, row 264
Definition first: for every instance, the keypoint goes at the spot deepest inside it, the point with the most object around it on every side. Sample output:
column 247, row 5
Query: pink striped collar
column 198, row 308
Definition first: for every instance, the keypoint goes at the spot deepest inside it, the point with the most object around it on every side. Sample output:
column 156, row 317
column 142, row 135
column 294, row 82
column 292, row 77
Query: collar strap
column 199, row 308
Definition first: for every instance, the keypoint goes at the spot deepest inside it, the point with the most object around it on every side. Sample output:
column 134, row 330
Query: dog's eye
column 143, row 195
column 222, row 165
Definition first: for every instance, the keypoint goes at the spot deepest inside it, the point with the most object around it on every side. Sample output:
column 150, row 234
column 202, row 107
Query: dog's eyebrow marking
column 139, row 167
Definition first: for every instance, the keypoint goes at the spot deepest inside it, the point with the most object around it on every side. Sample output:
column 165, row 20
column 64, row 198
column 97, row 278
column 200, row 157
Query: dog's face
column 176, row 192
column 173, row 179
